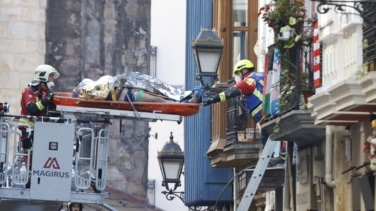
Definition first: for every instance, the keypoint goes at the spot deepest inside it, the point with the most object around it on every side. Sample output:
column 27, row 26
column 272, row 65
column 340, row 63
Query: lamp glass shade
column 207, row 49
column 172, row 169
column 208, row 60
column 171, row 161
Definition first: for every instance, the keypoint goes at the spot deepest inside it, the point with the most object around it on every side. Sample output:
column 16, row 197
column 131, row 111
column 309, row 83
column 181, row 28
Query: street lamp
column 171, row 161
column 207, row 51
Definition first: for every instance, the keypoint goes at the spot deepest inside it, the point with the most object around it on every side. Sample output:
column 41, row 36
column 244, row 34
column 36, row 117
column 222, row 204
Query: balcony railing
column 348, row 77
column 295, row 81
column 369, row 40
column 292, row 121
column 237, row 119
column 243, row 141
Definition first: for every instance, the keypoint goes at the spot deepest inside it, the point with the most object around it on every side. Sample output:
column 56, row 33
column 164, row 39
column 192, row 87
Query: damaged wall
column 83, row 38
column 110, row 37
column 89, row 39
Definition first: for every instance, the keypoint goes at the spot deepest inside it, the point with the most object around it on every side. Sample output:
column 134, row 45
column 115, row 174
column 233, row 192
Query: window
column 236, row 23
column 240, row 13
column 240, row 44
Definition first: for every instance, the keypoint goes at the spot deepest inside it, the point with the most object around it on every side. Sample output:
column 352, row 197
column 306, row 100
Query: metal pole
column 286, row 187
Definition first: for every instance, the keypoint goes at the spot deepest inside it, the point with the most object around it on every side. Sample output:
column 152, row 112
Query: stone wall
column 83, row 38
column 22, row 47
column 110, row 37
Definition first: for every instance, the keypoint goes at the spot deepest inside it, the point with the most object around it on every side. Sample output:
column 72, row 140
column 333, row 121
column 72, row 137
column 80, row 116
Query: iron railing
column 297, row 84
column 369, row 39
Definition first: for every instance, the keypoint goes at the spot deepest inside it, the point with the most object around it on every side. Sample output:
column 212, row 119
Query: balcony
column 242, row 145
column 353, row 99
column 293, row 120
column 343, row 104
column 347, row 102
column 297, row 126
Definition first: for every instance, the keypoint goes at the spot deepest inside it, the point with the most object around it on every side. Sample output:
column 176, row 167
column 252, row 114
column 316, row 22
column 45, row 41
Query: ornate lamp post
column 207, row 51
column 171, row 161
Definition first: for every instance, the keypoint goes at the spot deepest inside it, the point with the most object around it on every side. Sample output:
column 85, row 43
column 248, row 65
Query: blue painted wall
column 203, row 184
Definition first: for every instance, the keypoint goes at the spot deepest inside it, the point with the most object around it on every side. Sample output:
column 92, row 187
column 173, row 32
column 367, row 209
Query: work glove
column 45, row 102
column 48, row 100
column 211, row 101
column 50, row 95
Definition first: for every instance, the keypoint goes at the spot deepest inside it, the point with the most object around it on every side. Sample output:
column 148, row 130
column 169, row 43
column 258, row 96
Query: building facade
column 327, row 135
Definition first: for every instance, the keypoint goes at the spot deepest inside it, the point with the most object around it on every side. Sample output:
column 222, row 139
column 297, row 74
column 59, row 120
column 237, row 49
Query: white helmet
column 42, row 72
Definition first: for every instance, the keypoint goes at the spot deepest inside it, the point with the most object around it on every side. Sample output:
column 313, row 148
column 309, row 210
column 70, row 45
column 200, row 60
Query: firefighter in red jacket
column 251, row 85
column 35, row 101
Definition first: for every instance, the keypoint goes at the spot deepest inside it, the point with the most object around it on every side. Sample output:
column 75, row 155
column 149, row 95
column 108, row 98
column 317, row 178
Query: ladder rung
column 257, row 175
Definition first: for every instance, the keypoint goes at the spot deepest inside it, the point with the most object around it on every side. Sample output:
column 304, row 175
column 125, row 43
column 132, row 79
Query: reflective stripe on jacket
column 254, row 101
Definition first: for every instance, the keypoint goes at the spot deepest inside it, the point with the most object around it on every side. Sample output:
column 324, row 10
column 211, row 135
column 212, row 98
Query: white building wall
column 265, row 39
column 341, row 37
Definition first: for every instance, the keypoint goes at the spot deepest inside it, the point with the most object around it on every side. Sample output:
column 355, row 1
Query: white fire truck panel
column 51, row 173
column 69, row 160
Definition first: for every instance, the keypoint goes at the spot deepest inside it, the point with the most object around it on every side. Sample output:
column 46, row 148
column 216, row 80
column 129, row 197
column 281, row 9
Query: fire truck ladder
column 257, row 175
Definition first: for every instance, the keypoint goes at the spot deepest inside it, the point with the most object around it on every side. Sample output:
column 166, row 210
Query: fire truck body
column 68, row 162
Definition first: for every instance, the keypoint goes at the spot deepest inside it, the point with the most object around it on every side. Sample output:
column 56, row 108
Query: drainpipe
column 318, row 194
column 236, row 189
column 287, row 196
column 286, row 187
column 329, row 180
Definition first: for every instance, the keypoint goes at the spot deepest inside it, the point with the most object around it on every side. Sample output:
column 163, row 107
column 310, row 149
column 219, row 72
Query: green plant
column 288, row 16
column 306, row 75
column 287, row 79
column 290, row 25
column 280, row 13
column 361, row 71
column 287, row 85
column 275, row 128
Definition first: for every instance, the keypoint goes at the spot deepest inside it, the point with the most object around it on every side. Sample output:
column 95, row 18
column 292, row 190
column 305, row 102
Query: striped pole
column 316, row 56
